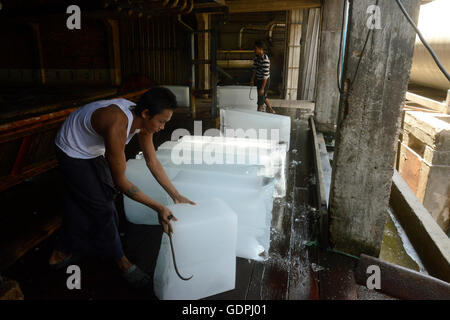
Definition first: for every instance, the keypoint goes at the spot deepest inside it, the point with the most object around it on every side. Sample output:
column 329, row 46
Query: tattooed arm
column 114, row 134
column 157, row 170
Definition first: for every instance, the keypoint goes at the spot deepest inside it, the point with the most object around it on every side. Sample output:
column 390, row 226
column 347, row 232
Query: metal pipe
column 235, row 64
column 269, row 26
column 186, row 26
column 235, row 51
column 274, row 26
column 183, row 6
column 190, row 7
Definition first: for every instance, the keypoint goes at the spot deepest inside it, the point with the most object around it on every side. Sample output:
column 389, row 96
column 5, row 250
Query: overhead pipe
column 270, row 26
column 180, row 7
column 190, row 7
column 154, row 7
column 275, row 25
column 176, row 7
column 183, row 6
column 235, row 64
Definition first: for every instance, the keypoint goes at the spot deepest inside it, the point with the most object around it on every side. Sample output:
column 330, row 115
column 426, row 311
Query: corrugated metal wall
column 157, row 48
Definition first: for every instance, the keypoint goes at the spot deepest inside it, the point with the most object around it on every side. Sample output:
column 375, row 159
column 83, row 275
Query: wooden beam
column 368, row 125
column 441, row 107
column 238, row 6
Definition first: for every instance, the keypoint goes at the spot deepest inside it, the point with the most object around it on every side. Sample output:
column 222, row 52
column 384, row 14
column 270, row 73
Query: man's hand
column 261, row 92
column 163, row 217
column 180, row 199
column 252, row 83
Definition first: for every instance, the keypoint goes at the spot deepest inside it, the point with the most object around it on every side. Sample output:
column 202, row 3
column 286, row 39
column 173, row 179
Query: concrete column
column 368, row 125
column 327, row 101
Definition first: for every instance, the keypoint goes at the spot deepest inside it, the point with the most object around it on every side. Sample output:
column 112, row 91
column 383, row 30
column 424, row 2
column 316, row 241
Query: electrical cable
column 339, row 69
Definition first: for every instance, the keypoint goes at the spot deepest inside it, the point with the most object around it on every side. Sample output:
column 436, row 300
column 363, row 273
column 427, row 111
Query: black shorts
column 262, row 98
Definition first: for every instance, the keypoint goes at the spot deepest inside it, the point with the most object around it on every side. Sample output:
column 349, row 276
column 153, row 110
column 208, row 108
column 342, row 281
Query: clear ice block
column 204, row 242
column 250, row 197
column 138, row 174
column 237, row 96
column 263, row 157
column 240, row 118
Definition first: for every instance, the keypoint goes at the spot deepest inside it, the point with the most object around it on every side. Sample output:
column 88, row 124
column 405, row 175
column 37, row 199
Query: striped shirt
column 262, row 67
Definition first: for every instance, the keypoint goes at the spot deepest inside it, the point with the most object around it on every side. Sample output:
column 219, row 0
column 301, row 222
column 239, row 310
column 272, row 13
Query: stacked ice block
column 261, row 125
column 250, row 197
column 228, row 154
column 204, row 240
column 138, row 173
column 248, row 188
column 237, row 96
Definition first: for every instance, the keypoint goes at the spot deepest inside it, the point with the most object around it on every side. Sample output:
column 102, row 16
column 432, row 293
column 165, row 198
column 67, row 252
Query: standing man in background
column 261, row 69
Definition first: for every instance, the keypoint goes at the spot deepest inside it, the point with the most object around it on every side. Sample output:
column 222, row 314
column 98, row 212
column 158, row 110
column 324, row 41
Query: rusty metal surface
column 403, row 283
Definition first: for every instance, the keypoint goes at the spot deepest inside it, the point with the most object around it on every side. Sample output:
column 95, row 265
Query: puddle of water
column 396, row 247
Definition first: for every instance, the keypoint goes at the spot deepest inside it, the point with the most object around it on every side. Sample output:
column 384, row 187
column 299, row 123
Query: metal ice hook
column 175, row 262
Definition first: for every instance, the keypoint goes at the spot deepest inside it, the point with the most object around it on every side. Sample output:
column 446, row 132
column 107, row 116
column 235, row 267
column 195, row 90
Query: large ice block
column 237, row 96
column 138, row 174
column 250, row 197
column 204, row 242
column 182, row 94
column 228, row 151
column 277, row 127
column 248, row 156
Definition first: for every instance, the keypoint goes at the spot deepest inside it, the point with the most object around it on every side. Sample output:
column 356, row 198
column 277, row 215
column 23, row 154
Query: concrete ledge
column 430, row 242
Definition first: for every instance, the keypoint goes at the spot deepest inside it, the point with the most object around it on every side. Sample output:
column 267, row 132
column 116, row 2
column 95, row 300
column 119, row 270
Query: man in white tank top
column 90, row 151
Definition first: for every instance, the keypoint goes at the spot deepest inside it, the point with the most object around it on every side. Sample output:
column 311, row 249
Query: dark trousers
column 262, row 98
column 90, row 221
